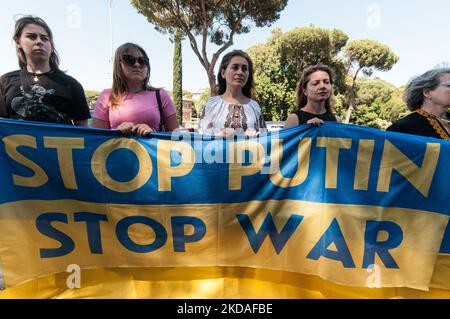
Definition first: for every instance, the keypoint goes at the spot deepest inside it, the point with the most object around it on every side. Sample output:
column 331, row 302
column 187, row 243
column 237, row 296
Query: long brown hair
column 18, row 29
column 222, row 87
column 119, row 86
column 302, row 99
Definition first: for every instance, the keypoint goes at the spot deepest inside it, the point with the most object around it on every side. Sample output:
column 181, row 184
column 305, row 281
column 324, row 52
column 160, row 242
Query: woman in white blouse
column 233, row 111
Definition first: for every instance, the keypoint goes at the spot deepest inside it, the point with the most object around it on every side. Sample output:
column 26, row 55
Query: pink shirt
column 136, row 108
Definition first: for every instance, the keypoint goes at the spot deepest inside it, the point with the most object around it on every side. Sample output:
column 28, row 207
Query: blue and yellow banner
column 296, row 213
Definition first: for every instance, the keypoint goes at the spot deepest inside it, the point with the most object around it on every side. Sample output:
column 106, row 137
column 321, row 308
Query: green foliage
column 338, row 103
column 215, row 20
column 200, row 104
column 378, row 103
column 187, row 95
column 311, row 45
column 91, row 97
column 398, row 106
column 178, row 76
column 223, row 17
column 366, row 56
column 280, row 62
column 370, row 54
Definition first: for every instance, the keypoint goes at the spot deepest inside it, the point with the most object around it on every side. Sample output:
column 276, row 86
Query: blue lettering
column 372, row 246
column 43, row 225
column 179, row 237
column 333, row 235
column 268, row 227
column 125, row 240
column 445, row 245
column 93, row 229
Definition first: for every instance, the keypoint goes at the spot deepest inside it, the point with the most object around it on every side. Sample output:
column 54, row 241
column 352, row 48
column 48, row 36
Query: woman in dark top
column 428, row 96
column 313, row 97
column 40, row 91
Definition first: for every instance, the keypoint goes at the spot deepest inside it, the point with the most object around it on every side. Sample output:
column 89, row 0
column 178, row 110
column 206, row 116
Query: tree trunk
column 212, row 82
column 178, row 77
column 351, row 100
column 349, row 113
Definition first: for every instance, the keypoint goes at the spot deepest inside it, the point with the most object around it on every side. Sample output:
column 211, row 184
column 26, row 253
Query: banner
column 339, row 204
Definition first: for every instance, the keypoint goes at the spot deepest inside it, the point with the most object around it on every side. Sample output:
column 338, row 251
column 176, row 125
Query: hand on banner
column 315, row 121
column 227, row 133
column 250, row 133
column 142, row 130
column 126, row 128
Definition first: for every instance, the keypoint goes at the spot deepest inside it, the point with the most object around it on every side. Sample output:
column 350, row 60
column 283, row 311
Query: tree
column 378, row 103
column 274, row 90
column 199, row 105
column 311, row 45
column 91, row 98
column 178, row 76
column 366, row 56
column 375, row 101
column 216, row 20
column 280, row 62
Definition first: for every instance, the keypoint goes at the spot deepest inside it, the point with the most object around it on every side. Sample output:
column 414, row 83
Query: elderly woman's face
column 440, row 96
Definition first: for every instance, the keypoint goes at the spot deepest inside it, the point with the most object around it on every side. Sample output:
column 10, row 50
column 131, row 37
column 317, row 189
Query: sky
column 417, row 31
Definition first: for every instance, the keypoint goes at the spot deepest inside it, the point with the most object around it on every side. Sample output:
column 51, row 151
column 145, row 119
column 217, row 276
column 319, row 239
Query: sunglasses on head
column 131, row 60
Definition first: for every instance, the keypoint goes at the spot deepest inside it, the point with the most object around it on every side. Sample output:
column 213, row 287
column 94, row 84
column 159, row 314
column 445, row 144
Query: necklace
column 35, row 76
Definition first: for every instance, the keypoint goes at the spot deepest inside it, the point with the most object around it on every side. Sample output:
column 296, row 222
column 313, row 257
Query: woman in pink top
column 131, row 106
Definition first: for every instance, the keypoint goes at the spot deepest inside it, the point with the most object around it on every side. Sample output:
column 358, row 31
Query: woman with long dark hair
column 233, row 110
column 40, row 91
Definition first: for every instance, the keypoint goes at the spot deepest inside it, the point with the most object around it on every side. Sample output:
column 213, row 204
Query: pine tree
column 178, row 76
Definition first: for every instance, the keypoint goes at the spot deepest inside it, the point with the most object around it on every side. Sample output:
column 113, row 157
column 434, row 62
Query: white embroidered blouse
column 219, row 114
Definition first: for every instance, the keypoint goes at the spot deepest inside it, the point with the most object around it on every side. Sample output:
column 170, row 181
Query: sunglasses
column 131, row 60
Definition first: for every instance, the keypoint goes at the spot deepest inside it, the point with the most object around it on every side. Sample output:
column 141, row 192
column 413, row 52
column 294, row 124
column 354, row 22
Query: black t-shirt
column 420, row 124
column 54, row 88
column 304, row 117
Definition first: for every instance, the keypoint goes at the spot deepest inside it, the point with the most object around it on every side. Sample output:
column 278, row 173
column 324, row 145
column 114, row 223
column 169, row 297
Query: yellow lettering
column 165, row 170
column 12, row 142
column 363, row 162
column 236, row 169
column 333, row 146
column 303, row 155
column 419, row 177
column 64, row 147
column 101, row 154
